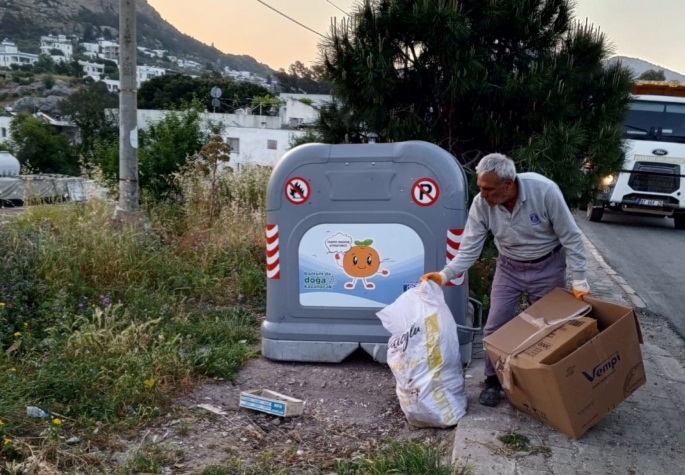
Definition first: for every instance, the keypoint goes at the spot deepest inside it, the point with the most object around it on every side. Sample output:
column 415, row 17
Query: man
column 534, row 231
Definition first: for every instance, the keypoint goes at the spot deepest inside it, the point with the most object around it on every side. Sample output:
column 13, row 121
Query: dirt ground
column 350, row 408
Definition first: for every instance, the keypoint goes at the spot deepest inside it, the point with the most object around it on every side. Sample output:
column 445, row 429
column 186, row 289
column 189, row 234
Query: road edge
column 623, row 285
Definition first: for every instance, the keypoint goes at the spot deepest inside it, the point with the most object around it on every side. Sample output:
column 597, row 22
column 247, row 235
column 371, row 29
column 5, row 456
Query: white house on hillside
column 112, row 85
column 184, row 63
column 145, row 73
column 109, row 50
column 60, row 42
column 103, row 49
column 94, row 70
column 9, row 55
column 91, row 47
column 5, row 128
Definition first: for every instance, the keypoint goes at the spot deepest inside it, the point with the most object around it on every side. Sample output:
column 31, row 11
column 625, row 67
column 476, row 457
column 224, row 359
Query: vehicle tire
column 679, row 221
column 595, row 213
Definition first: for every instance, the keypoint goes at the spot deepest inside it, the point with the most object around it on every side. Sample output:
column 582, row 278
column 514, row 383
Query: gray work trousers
column 512, row 278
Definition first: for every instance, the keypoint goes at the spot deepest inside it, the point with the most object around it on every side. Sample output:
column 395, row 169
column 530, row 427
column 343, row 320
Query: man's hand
column 581, row 289
column 433, row 276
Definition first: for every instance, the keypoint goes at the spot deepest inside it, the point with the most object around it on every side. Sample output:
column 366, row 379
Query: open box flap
column 603, row 308
column 556, row 306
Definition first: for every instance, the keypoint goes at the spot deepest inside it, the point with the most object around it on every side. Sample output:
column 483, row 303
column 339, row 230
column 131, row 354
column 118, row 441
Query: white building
column 8, row 47
column 94, row 70
column 91, row 47
column 185, row 63
column 60, row 42
column 9, row 55
column 112, row 85
column 145, row 73
column 255, row 140
column 238, row 75
column 5, row 128
column 109, row 50
column 297, row 112
column 103, row 49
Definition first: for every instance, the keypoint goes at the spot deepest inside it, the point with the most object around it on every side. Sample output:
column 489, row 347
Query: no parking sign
column 426, row 192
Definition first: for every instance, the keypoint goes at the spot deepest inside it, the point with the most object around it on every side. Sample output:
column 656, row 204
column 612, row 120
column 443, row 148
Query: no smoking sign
column 297, row 190
column 426, row 192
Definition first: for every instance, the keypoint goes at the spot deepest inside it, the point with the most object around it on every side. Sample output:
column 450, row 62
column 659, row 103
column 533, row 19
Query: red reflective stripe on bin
column 453, row 242
column 273, row 261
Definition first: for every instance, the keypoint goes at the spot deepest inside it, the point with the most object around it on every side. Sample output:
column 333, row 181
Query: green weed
column 152, row 458
column 518, row 445
column 101, row 325
column 394, row 459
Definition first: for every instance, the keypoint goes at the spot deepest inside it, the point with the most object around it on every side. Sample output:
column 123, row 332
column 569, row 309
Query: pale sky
column 646, row 29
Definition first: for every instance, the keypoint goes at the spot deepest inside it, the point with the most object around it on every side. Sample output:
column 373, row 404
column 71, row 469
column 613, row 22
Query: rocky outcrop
column 48, row 105
column 60, row 89
column 35, row 98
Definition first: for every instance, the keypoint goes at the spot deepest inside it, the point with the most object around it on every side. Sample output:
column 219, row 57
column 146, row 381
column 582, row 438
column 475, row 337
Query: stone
column 60, row 89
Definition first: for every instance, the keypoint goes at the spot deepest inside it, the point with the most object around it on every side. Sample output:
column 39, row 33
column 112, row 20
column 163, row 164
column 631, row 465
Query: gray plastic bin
column 351, row 227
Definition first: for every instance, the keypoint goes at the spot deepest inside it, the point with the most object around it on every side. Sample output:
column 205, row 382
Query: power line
column 289, row 18
column 336, row 6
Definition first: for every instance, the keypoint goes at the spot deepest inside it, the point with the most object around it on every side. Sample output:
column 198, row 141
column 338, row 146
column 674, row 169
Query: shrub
column 103, row 323
column 48, row 81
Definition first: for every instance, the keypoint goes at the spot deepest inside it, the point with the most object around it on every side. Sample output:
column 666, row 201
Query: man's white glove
column 581, row 289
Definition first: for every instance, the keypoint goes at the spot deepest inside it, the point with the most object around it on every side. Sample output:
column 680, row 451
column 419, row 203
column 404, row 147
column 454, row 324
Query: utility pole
column 129, row 194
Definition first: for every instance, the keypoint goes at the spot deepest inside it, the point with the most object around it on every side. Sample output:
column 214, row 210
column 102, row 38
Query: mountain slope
column 25, row 20
column 639, row 66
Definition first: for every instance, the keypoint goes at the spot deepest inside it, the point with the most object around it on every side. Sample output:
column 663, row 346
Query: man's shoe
column 490, row 396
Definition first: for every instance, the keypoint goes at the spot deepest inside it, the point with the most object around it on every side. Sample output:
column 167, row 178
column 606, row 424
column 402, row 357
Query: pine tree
column 513, row 76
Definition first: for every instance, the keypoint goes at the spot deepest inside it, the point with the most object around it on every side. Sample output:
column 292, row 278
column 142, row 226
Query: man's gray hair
column 502, row 165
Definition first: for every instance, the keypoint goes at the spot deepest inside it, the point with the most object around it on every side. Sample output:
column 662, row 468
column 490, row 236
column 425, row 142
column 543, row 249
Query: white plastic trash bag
column 423, row 353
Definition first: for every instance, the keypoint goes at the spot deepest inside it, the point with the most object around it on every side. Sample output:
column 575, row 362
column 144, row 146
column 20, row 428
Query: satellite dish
column 216, row 103
column 216, row 92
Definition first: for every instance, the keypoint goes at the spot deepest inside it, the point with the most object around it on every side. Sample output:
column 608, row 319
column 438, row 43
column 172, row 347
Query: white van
column 652, row 180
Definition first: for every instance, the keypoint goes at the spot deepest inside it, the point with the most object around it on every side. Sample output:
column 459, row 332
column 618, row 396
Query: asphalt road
column 649, row 254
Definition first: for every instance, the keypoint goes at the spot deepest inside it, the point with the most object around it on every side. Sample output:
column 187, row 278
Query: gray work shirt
column 541, row 220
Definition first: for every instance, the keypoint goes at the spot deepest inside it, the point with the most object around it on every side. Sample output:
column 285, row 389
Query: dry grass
column 103, row 325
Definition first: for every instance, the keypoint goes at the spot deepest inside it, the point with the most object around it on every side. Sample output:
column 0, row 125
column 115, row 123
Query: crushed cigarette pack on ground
column 271, row 402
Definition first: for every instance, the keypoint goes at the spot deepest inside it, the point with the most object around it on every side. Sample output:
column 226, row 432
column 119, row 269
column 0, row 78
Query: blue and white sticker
column 263, row 405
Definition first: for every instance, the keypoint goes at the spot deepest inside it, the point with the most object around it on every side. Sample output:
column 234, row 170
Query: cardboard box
column 561, row 342
column 577, row 391
column 271, row 402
